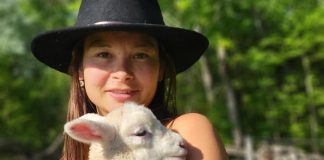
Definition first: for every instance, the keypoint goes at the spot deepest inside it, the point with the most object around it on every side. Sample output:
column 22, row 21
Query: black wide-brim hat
column 54, row 48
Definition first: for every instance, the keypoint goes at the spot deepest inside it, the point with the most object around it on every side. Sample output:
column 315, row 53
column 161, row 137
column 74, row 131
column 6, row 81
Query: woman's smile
column 122, row 95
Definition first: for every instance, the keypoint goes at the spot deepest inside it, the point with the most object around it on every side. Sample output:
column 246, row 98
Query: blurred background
column 260, row 82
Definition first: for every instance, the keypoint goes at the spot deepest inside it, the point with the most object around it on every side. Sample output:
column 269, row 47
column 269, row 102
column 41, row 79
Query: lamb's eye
column 141, row 133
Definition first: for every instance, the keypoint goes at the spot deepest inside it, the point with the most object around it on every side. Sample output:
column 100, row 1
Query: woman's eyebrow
column 98, row 43
column 145, row 44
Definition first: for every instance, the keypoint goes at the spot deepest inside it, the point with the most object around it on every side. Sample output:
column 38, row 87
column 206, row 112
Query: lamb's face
column 129, row 131
column 147, row 137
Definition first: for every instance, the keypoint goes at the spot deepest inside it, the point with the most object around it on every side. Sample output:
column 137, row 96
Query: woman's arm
column 203, row 142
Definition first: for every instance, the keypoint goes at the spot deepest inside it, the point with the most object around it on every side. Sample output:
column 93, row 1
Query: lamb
column 129, row 132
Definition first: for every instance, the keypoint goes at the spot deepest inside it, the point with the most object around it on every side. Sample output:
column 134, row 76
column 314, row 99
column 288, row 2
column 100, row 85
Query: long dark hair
column 163, row 104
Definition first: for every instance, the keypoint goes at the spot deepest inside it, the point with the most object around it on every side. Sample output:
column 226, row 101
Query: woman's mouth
column 122, row 95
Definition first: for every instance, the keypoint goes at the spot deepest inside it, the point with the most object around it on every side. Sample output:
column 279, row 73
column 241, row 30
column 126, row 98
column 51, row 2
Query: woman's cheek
column 95, row 76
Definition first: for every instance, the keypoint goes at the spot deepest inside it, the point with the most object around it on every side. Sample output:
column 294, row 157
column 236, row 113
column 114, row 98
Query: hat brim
column 54, row 48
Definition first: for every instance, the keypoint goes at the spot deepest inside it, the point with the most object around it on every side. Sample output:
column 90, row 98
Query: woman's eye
column 141, row 56
column 104, row 55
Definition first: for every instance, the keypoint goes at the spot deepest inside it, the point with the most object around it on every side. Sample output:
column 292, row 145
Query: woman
column 118, row 51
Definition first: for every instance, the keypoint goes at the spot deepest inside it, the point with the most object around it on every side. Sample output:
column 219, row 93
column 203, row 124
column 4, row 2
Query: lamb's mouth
column 176, row 158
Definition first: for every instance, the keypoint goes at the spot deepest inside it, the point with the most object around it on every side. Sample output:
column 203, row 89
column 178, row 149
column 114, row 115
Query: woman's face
column 119, row 67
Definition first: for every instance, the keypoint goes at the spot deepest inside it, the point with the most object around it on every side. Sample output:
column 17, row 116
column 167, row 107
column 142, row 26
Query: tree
column 32, row 97
column 274, row 62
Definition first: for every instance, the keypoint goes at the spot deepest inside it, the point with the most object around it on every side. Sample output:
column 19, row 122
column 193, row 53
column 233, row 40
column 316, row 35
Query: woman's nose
column 122, row 71
column 121, row 75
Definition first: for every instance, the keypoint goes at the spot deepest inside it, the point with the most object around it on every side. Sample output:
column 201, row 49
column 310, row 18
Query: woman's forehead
column 110, row 37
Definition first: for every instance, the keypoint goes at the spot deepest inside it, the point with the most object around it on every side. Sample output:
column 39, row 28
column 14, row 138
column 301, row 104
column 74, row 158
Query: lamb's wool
column 96, row 153
column 129, row 132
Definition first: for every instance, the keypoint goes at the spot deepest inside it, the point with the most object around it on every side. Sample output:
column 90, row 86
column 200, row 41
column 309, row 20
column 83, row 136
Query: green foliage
column 33, row 98
column 266, row 43
column 28, row 100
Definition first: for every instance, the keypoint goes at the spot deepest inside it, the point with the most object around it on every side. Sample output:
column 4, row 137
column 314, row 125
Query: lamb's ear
column 90, row 128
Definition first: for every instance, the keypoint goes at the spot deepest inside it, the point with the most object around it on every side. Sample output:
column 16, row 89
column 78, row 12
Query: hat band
column 107, row 22
column 118, row 22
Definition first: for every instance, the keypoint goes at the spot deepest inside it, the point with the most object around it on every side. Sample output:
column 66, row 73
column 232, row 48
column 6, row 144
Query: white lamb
column 130, row 132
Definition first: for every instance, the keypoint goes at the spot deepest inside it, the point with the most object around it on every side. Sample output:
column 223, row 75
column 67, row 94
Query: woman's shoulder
column 189, row 121
column 191, row 125
column 202, row 139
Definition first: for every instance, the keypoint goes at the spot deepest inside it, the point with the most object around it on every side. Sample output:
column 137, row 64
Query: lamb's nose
column 182, row 144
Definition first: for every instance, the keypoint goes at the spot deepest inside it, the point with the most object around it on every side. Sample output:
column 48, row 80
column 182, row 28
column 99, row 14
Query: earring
column 81, row 83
